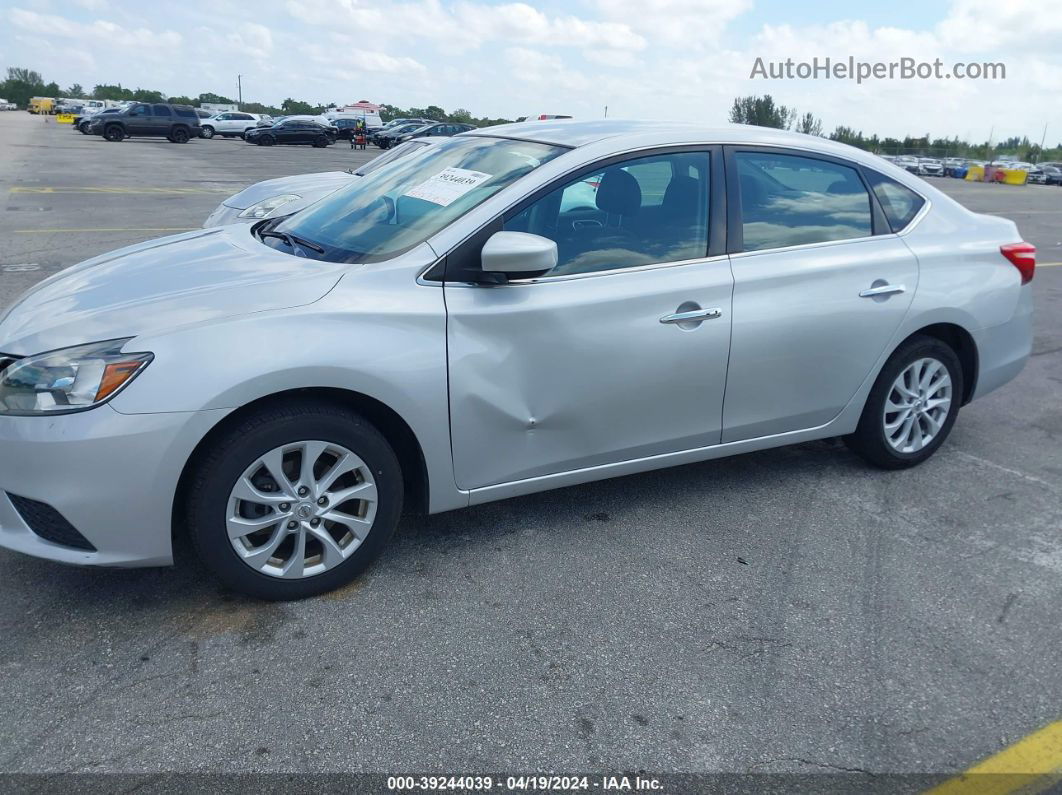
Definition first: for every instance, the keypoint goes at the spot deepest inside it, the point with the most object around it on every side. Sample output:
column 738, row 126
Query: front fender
column 366, row 337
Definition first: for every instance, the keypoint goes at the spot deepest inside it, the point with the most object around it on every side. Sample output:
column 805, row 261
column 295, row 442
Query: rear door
column 161, row 119
column 820, row 286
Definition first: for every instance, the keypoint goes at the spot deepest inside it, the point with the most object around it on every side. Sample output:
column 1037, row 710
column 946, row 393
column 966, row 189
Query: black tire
column 320, row 142
column 83, row 128
column 114, row 133
column 206, row 132
column 253, row 436
column 266, row 140
column 869, row 440
column 179, row 135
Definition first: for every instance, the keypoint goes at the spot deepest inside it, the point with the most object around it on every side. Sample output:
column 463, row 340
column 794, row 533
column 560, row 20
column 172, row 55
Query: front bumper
column 112, row 476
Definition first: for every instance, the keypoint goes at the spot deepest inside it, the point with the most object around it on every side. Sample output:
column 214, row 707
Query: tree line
column 21, row 84
column 765, row 112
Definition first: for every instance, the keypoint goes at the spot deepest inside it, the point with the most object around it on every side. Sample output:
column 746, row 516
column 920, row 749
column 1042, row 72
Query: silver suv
column 511, row 310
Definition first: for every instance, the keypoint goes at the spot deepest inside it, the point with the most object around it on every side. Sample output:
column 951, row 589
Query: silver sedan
column 511, row 310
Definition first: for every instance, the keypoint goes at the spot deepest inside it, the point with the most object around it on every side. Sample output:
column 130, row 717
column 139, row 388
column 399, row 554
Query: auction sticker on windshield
column 447, row 186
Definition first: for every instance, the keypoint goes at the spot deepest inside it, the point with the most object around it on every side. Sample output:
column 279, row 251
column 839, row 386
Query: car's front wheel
column 912, row 407
column 294, row 500
column 114, row 133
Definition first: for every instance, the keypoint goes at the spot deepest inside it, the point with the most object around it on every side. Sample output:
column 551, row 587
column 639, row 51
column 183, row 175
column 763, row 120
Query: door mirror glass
column 518, row 252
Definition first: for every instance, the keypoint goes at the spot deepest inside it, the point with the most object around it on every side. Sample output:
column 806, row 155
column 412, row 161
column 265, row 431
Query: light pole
column 239, row 89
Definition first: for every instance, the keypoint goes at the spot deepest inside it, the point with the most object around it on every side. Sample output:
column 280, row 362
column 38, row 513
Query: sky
column 683, row 60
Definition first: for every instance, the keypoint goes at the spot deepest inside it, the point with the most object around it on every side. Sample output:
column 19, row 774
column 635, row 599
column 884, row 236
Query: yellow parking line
column 1031, row 765
column 117, row 190
column 103, row 229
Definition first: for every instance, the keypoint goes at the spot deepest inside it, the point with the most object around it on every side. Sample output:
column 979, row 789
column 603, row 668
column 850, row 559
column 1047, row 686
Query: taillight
column 1023, row 257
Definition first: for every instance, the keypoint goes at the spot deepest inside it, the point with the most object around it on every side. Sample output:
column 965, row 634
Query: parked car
column 387, row 138
column 293, row 131
column 954, row 167
column 908, row 163
column 347, row 127
column 82, row 123
column 5, row 105
column 443, row 334
column 1052, row 174
column 394, row 123
column 232, row 124
column 177, row 123
column 1036, row 176
column 287, row 195
column 930, row 167
column 444, row 129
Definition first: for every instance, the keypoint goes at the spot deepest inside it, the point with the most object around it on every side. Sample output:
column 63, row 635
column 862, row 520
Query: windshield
column 407, row 201
column 393, row 153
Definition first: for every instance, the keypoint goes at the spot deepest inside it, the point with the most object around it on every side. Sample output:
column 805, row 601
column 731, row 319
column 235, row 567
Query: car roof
column 576, row 133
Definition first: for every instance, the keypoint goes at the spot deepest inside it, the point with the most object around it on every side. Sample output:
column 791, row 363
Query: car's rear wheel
column 179, row 135
column 113, row 133
column 294, row 500
column 320, row 142
column 207, row 132
column 912, row 407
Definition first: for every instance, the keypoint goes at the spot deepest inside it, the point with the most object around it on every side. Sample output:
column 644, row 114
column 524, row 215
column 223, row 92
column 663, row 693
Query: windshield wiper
column 291, row 240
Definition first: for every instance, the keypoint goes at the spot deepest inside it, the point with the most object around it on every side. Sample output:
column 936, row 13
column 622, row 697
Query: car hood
column 160, row 284
column 320, row 184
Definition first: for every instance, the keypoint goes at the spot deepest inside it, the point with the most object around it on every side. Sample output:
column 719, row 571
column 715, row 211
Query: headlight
column 71, row 379
column 266, row 206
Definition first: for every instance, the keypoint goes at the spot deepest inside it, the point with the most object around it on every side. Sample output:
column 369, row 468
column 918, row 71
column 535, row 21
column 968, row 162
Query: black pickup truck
column 178, row 123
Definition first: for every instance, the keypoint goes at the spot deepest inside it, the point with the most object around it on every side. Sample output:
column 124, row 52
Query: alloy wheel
column 917, row 405
column 301, row 509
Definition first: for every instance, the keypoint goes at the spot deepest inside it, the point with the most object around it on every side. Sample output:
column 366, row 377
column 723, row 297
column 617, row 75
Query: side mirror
column 518, row 252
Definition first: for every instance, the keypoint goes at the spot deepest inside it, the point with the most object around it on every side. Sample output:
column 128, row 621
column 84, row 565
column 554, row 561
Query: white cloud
column 680, row 59
column 465, row 25
column 99, row 32
column 689, row 23
column 991, row 26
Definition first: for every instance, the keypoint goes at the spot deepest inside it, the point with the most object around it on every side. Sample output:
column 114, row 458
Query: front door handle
column 882, row 289
column 694, row 315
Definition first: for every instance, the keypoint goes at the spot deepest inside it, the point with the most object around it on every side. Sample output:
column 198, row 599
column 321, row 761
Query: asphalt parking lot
column 789, row 610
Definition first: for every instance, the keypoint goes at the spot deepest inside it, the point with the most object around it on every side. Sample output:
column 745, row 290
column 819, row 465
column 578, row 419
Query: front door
column 817, row 295
column 619, row 352
column 138, row 121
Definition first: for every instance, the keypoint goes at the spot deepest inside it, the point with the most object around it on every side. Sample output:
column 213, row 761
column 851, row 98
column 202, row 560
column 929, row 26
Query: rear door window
column 789, row 200
column 900, row 203
column 162, row 110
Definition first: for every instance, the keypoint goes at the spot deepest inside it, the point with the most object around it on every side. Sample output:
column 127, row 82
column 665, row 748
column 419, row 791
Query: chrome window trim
column 567, row 277
column 819, row 244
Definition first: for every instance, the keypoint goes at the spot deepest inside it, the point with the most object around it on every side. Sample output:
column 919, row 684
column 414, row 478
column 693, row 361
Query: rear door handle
column 882, row 289
column 694, row 315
